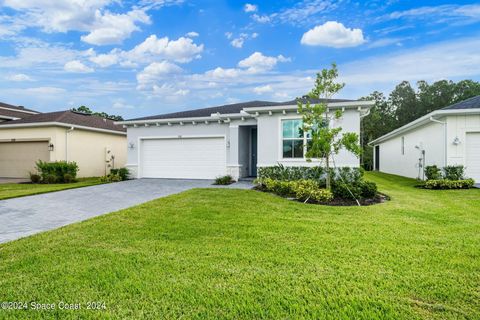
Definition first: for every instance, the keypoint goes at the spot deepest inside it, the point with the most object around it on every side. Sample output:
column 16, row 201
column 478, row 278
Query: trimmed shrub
column 342, row 190
column 122, row 172
column 57, row 169
column 35, row 178
column 316, row 173
column 449, row 184
column 433, row 172
column 111, row 178
column 224, row 180
column 50, row 178
column 67, row 178
column 309, row 190
column 303, row 190
column 368, row 189
column 454, row 172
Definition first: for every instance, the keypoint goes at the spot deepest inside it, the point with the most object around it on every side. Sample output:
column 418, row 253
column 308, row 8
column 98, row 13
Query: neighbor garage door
column 472, row 162
column 186, row 158
column 17, row 159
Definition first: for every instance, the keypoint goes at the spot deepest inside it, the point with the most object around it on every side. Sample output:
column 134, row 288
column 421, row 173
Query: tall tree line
column 405, row 104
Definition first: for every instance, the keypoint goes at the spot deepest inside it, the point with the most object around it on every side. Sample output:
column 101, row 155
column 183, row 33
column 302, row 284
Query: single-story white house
column 449, row 136
column 232, row 139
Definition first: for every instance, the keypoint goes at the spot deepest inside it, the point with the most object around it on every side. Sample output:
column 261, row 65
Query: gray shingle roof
column 12, row 113
column 471, row 103
column 229, row 108
column 19, row 108
column 69, row 117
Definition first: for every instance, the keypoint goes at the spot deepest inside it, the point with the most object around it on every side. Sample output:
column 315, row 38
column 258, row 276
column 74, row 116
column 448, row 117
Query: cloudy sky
column 146, row 57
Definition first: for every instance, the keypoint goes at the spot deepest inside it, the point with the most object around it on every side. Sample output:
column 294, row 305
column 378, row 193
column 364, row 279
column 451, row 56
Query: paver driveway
column 20, row 217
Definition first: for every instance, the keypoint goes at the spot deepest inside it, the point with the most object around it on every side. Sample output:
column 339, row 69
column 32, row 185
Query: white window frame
column 280, row 131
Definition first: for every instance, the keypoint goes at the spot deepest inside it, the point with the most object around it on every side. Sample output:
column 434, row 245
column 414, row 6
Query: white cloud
column 240, row 40
column 432, row 62
column 157, row 71
column 261, row 19
column 257, row 62
column 45, row 90
column 19, row 77
column 111, row 28
column 333, row 34
column 250, row 7
column 220, row 73
column 192, row 34
column 237, row 42
column 229, row 35
column 263, row 89
column 181, row 50
column 301, row 13
column 77, row 67
column 105, row 60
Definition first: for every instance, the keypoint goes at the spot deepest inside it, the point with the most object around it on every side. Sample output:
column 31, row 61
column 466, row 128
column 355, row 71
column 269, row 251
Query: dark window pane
column 287, row 126
column 287, row 148
column 298, row 148
column 309, row 143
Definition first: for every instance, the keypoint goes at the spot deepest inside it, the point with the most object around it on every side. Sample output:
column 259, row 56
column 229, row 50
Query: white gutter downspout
column 66, row 141
column 444, row 138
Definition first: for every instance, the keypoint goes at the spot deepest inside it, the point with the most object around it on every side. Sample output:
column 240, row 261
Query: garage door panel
column 472, row 162
column 17, row 159
column 195, row 158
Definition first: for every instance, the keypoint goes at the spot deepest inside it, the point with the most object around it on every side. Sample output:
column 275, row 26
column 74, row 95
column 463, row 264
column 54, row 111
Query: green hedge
column 449, row 184
column 347, row 182
column 57, row 172
column 317, row 173
column 303, row 190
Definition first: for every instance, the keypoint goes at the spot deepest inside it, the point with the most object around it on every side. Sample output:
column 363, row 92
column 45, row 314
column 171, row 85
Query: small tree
column 325, row 141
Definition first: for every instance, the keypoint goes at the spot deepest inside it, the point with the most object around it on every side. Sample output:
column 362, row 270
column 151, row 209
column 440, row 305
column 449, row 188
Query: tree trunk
column 328, row 172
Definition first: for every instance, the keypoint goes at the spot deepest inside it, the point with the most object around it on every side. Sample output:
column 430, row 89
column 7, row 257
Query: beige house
column 94, row 143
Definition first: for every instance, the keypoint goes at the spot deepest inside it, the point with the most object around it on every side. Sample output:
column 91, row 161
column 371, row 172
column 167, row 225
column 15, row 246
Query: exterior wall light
column 51, row 147
column 131, row 145
column 456, row 141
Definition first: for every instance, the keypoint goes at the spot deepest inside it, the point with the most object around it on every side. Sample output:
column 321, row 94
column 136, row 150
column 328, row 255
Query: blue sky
column 146, row 57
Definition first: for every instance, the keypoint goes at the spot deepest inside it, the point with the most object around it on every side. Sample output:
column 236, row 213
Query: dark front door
column 377, row 158
column 253, row 153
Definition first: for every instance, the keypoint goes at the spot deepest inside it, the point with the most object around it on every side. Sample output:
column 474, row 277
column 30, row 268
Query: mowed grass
column 14, row 190
column 239, row 254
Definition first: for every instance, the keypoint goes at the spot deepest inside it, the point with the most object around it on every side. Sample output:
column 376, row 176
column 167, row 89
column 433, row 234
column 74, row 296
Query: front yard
column 221, row 253
column 14, row 190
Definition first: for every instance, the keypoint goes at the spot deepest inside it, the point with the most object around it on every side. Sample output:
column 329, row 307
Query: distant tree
column 87, row 110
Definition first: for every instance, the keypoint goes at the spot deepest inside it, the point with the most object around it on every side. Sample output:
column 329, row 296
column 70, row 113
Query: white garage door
column 473, row 156
column 17, row 159
column 186, row 158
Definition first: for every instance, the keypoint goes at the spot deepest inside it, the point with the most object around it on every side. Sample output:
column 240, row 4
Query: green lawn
column 14, row 190
column 222, row 253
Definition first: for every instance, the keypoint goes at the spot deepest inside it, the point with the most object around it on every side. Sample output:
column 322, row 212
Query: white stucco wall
column 237, row 134
column 429, row 137
column 459, row 126
column 270, row 140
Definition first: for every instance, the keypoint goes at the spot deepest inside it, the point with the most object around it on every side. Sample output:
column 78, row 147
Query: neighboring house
column 89, row 140
column 232, row 139
column 449, row 136
column 10, row 112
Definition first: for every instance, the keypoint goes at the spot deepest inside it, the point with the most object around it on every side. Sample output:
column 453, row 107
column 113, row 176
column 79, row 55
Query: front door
column 253, row 153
